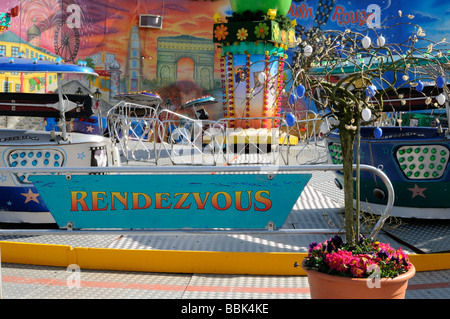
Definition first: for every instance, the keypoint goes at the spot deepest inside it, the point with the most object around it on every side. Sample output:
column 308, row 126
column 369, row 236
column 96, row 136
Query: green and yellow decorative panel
column 253, row 31
column 335, row 152
column 423, row 161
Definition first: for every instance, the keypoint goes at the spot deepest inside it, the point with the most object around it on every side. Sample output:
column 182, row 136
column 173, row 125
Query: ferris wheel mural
column 54, row 20
column 67, row 36
column 67, row 42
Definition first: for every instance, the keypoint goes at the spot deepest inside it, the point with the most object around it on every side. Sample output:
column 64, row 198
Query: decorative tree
column 347, row 75
column 341, row 71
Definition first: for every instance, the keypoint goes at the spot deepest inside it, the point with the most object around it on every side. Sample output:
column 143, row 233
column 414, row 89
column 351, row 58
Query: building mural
column 131, row 58
column 172, row 49
column 12, row 45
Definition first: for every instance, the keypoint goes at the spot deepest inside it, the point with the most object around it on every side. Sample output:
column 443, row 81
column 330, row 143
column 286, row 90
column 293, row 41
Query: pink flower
column 339, row 260
column 357, row 272
column 363, row 261
column 336, row 257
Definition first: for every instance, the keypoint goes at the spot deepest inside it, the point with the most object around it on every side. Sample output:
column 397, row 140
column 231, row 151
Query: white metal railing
column 135, row 128
column 164, row 137
column 187, row 141
column 310, row 149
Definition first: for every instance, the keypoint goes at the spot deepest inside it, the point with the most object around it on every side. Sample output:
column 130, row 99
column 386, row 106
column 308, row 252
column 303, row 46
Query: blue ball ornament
column 300, row 90
column 378, row 133
column 370, row 91
column 290, row 119
column 419, row 86
column 440, row 82
column 292, row 99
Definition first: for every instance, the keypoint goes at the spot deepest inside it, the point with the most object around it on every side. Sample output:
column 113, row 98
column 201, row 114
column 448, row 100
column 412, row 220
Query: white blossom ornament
column 441, row 99
column 307, row 50
column 381, row 41
column 262, row 77
column 366, row 42
column 366, row 114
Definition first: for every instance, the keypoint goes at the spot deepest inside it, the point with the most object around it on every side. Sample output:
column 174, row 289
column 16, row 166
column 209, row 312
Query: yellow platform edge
column 175, row 261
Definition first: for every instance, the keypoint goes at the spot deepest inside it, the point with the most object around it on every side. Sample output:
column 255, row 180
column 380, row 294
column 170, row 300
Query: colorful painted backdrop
column 179, row 60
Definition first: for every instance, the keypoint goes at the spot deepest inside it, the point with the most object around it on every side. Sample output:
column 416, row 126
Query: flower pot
column 324, row 286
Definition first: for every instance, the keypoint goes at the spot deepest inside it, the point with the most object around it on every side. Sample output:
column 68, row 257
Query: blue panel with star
column 25, row 199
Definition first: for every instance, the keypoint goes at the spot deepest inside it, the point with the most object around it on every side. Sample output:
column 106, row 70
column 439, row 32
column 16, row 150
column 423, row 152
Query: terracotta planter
column 324, row 286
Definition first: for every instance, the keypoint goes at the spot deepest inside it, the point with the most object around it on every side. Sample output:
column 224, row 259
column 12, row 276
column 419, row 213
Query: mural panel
column 181, row 55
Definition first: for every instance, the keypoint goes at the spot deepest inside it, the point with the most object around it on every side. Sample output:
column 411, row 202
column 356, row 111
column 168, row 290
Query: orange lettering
column 122, row 199
column 263, row 200
column 215, row 203
column 200, row 204
column 76, row 201
column 148, row 201
column 181, row 201
column 96, row 198
column 159, row 198
column 238, row 201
